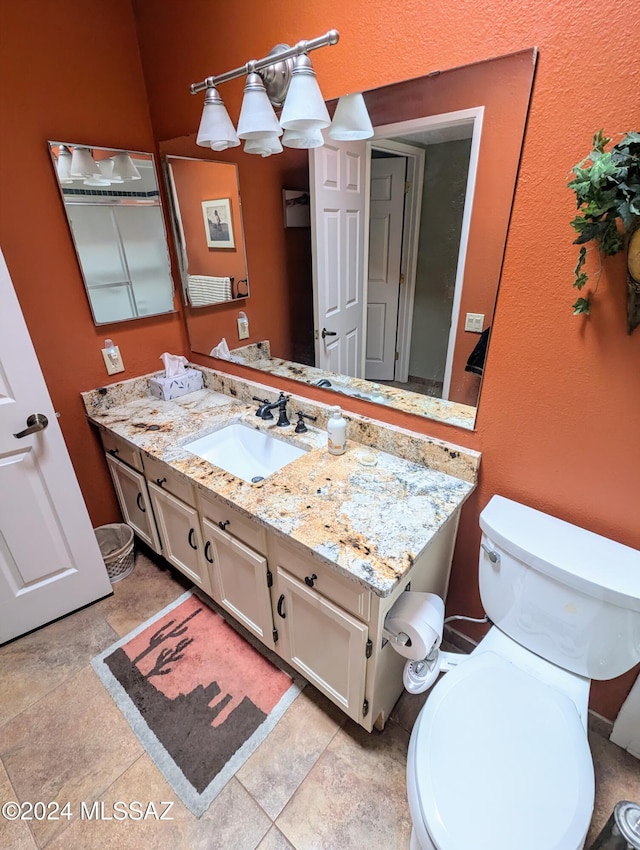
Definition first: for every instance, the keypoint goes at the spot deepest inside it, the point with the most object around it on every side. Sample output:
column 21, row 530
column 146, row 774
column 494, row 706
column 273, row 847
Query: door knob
column 325, row 333
column 36, row 422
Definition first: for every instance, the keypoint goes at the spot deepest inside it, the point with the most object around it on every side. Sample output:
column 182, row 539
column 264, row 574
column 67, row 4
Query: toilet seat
column 525, row 777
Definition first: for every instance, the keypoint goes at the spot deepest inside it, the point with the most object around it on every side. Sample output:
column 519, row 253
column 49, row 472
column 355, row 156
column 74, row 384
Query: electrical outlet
column 243, row 328
column 474, row 322
column 113, row 360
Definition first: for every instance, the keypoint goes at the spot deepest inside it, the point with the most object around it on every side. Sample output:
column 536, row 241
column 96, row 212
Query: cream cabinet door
column 240, row 581
column 180, row 534
column 323, row 642
column 131, row 490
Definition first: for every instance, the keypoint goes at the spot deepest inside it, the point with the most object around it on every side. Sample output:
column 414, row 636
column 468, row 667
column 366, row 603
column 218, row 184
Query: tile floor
column 318, row 782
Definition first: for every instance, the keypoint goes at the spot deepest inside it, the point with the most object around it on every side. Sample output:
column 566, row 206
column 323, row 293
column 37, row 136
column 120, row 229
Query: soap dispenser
column 336, row 432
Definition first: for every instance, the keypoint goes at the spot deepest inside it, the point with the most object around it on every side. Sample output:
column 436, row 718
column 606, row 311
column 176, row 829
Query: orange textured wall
column 70, row 72
column 559, row 414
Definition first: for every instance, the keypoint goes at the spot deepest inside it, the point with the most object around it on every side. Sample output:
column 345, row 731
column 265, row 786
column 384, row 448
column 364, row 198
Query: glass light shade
column 124, row 167
column 256, row 115
column 216, row 130
column 351, row 119
column 63, row 166
column 82, row 164
column 107, row 167
column 265, row 145
column 97, row 181
column 303, row 139
column 304, row 108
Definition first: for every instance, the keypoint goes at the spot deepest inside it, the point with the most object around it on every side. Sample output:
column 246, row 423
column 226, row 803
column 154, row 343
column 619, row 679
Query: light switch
column 474, row 322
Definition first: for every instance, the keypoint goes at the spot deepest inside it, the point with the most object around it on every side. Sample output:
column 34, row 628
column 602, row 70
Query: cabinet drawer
column 233, row 522
column 159, row 473
column 119, row 448
column 347, row 594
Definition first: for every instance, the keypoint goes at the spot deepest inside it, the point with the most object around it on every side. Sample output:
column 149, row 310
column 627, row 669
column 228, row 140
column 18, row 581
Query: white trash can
column 116, row 546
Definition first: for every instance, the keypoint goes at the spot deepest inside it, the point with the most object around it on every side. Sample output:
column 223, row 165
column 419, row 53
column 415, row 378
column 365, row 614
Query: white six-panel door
column 50, row 563
column 339, row 194
column 386, row 215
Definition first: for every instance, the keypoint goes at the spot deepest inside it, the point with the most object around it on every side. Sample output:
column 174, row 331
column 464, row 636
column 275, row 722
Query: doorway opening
column 416, row 258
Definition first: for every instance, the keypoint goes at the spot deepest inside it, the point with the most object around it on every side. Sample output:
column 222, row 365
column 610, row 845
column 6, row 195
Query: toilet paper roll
column 419, row 616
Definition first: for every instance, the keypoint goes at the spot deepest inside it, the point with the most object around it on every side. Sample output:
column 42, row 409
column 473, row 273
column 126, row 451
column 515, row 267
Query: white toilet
column 498, row 758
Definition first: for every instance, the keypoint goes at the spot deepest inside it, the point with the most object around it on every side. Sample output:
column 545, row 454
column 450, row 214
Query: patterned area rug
column 200, row 696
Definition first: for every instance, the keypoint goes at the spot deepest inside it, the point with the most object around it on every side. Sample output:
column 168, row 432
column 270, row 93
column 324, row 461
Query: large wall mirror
column 207, row 225
column 112, row 202
column 437, row 184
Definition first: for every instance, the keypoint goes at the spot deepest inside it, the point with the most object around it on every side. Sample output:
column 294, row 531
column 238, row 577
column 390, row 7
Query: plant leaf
column 580, row 277
column 600, row 141
column 582, row 305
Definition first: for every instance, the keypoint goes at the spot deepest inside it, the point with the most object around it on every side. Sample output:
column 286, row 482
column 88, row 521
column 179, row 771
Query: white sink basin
column 246, row 452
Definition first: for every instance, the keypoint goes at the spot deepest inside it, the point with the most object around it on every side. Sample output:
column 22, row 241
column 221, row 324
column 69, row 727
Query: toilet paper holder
column 414, row 624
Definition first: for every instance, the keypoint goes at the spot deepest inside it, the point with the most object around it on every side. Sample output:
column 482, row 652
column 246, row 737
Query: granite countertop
column 366, row 513
column 258, row 356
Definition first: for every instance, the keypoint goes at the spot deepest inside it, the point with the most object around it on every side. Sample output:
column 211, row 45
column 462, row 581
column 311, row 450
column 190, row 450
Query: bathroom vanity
column 309, row 559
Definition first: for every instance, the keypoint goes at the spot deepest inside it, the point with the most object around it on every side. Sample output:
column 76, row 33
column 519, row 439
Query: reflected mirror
column 444, row 161
column 207, row 227
column 112, row 203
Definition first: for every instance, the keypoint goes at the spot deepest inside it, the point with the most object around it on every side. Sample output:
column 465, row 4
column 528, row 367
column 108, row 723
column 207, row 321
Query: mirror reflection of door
column 386, row 222
column 417, row 209
column 338, row 176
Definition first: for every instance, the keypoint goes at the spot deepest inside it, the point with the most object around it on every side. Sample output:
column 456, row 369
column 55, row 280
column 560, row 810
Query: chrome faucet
column 264, row 410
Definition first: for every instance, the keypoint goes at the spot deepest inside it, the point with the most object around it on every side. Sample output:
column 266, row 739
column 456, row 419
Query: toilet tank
column 565, row 593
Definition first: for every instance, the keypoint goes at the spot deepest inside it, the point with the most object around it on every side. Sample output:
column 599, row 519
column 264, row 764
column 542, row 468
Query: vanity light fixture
column 286, row 78
column 63, row 165
column 304, row 108
column 107, row 169
column 257, row 118
column 351, row 119
column 303, row 139
column 83, row 164
column 77, row 163
column 216, row 130
column 265, row 145
column 124, row 167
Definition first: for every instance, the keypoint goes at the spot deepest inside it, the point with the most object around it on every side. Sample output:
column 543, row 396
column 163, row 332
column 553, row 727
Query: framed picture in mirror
column 217, row 223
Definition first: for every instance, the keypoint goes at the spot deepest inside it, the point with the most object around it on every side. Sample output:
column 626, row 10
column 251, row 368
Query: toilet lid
column 502, row 761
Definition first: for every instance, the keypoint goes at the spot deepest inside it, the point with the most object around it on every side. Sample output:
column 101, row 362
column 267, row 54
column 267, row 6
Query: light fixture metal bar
column 326, row 40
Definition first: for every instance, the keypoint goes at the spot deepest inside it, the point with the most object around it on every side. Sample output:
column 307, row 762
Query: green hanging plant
column 607, row 187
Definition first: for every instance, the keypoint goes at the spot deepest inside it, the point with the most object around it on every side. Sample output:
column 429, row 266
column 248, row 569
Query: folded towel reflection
column 204, row 290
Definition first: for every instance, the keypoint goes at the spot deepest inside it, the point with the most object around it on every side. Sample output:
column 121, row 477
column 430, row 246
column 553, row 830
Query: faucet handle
column 301, row 428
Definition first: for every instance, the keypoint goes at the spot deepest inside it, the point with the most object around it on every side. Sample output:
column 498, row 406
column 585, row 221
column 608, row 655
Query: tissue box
column 170, row 388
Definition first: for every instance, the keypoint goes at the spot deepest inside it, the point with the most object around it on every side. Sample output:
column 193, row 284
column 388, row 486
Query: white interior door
column 339, row 195
column 386, row 214
column 50, row 562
